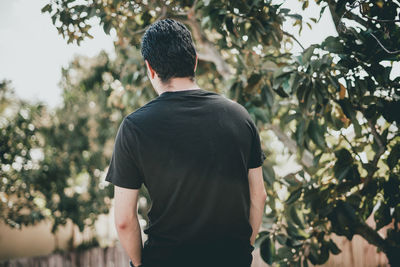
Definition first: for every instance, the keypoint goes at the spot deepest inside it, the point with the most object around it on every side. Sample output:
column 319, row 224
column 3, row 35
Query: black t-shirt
column 192, row 150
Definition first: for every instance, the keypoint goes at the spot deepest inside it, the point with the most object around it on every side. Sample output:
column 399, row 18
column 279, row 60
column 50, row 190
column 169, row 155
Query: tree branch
column 377, row 20
column 383, row 47
column 349, row 15
column 371, row 236
column 377, row 156
column 378, row 141
column 351, row 146
column 336, row 19
column 294, row 38
column 390, row 248
column 306, row 159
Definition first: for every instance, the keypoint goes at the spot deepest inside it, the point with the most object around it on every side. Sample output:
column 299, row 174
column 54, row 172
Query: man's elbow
column 125, row 223
column 259, row 198
column 122, row 225
column 263, row 196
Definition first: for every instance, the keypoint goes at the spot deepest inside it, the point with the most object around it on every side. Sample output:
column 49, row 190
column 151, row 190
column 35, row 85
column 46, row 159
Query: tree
column 346, row 116
column 47, row 160
column 334, row 106
column 18, row 141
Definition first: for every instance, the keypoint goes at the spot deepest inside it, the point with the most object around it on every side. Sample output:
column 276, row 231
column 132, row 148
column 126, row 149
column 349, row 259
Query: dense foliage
column 49, row 167
column 334, row 108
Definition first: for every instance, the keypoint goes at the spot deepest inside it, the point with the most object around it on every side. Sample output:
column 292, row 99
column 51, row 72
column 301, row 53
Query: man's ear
column 195, row 65
column 150, row 70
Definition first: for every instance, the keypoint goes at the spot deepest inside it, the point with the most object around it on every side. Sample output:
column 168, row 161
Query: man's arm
column 127, row 223
column 257, row 200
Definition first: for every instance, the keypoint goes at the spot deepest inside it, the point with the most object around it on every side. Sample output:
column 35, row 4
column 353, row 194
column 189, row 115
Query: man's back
column 192, row 150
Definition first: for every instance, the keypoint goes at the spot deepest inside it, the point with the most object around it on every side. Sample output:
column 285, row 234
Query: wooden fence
column 357, row 253
column 94, row 257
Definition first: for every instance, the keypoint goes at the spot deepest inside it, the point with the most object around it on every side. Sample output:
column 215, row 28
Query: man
column 199, row 155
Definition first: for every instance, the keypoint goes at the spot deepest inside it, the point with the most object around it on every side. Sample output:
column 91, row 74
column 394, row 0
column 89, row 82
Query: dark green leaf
column 261, row 238
column 333, row 247
column 254, row 79
column 343, row 164
column 46, row 8
column 307, row 54
column 394, row 156
column 316, row 134
column 268, row 174
column 333, row 45
column 281, row 238
column 382, row 216
column 267, row 250
column 295, row 195
column 296, row 216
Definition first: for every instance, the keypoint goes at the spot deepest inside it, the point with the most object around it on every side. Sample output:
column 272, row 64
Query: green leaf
column 269, row 95
column 267, row 250
column 305, row 262
column 268, row 174
column 107, row 27
column 296, row 216
column 285, row 71
column 396, row 214
column 290, row 180
column 286, row 86
column 394, row 156
column 307, row 54
column 392, row 190
column 382, row 216
column 305, row 4
column 324, row 255
column 261, row 238
column 295, row 81
column 316, row 134
column 254, row 79
column 46, row 8
column 284, row 252
column 229, row 24
column 295, row 195
column 332, row 44
column 300, row 130
column 350, row 113
column 354, row 200
column 343, row 164
column 296, row 232
column 261, row 114
column 333, row 247
column 281, row 238
column 322, row 12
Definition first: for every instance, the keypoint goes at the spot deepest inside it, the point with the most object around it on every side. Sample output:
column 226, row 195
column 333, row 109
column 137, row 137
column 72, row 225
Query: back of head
column 168, row 47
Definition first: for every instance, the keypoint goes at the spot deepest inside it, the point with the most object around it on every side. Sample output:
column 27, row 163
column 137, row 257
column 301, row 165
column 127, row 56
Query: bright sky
column 32, row 52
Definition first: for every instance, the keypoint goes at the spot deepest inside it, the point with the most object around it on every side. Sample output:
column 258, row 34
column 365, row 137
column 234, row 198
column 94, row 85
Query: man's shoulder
column 234, row 106
column 142, row 112
column 157, row 107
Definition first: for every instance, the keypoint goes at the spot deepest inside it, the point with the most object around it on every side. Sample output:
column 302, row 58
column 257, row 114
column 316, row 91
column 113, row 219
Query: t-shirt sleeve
column 124, row 170
column 257, row 155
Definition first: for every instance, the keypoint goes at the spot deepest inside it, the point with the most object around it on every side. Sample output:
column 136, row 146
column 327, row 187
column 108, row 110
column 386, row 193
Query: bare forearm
column 256, row 214
column 131, row 240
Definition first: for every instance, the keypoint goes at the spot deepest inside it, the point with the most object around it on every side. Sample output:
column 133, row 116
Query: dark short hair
column 168, row 47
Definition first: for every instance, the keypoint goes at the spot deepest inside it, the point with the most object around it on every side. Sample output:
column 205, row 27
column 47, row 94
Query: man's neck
column 177, row 84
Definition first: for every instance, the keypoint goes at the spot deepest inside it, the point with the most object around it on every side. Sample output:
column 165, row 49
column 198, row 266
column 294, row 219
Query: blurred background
column 320, row 78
